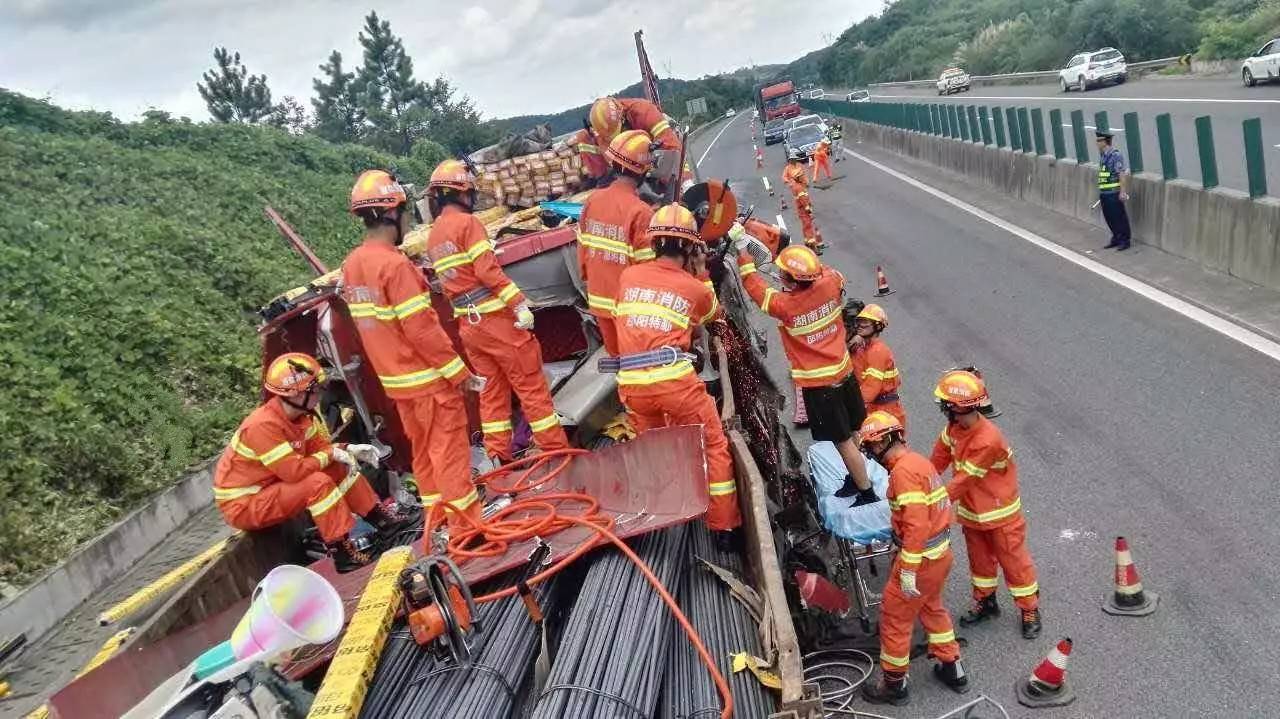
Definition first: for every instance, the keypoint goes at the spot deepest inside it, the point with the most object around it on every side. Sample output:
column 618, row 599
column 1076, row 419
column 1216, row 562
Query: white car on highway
column 1264, row 66
column 953, row 79
column 858, row 96
column 730, row 112
column 1093, row 68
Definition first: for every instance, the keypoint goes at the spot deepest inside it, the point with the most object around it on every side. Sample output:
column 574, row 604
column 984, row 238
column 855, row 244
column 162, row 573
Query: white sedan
column 730, row 112
column 1263, row 66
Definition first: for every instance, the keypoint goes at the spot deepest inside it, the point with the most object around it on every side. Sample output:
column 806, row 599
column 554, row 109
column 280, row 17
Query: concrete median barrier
column 1221, row 229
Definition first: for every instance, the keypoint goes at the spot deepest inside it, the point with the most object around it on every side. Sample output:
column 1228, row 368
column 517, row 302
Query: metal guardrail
column 1034, row 75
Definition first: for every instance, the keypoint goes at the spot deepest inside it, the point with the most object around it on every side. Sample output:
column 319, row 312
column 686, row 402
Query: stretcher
column 861, row 534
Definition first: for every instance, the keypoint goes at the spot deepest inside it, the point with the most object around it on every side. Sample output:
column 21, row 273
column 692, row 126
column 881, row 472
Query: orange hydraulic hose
column 498, row 532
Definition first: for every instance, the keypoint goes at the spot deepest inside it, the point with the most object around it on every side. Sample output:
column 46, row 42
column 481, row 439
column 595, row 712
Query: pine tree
column 397, row 107
column 338, row 114
column 290, row 115
column 231, row 93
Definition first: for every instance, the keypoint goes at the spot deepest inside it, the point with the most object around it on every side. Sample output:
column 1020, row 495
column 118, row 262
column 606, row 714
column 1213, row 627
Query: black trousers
column 1117, row 218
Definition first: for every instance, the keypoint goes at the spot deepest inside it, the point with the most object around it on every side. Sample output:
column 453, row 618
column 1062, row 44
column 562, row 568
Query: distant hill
column 720, row 91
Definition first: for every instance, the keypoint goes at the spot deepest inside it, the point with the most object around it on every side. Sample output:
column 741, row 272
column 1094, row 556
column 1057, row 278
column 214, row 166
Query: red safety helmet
column 632, row 151
column 376, row 190
column 452, row 175
column 800, row 262
column 293, row 373
column 675, row 221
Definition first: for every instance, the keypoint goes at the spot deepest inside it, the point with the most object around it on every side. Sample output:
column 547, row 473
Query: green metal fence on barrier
column 1025, row 133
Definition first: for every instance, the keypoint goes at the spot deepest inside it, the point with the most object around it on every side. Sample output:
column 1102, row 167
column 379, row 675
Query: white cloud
column 517, row 57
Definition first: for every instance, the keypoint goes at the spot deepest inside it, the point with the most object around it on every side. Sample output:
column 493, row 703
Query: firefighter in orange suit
column 412, row 356
column 797, row 180
column 659, row 306
column 593, row 162
column 984, row 488
column 280, row 462
column 920, row 516
column 873, row 364
column 612, row 115
column 822, row 159
column 613, row 230
column 809, row 314
column 494, row 319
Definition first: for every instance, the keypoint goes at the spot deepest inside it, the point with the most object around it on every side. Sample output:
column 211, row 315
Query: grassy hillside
column 915, row 39
column 133, row 257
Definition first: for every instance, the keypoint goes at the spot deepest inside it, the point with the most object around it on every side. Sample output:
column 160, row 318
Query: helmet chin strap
column 306, row 397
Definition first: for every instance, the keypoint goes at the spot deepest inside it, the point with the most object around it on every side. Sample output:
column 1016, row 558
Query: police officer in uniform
column 1113, row 191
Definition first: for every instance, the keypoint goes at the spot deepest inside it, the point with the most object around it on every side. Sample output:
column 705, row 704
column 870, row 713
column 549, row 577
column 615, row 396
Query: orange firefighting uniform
column 275, row 467
column 920, row 516
column 415, row 361
column 770, row 235
column 984, row 487
column 613, row 232
column 593, row 162
column 640, row 114
column 507, row 357
column 659, row 305
column 813, row 335
column 797, row 180
column 822, row 160
column 878, row 378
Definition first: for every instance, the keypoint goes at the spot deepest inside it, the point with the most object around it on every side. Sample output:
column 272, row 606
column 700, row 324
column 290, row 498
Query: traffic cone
column 882, row 283
column 801, row 417
column 759, row 159
column 1047, row 686
column 1128, row 599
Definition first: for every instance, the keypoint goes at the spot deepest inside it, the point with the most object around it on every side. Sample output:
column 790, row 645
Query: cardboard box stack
column 526, row 180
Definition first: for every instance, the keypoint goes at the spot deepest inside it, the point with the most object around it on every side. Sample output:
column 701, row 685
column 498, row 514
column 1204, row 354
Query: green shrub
column 134, row 256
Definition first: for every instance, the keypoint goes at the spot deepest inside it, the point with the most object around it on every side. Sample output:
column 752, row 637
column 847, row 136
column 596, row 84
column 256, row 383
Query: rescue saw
column 438, row 605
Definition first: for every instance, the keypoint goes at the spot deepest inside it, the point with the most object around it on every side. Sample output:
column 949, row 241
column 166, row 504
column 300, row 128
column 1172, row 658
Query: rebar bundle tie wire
column 542, row 515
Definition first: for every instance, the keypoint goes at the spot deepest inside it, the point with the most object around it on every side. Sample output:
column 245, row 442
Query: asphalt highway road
column 1125, row 418
column 1224, row 99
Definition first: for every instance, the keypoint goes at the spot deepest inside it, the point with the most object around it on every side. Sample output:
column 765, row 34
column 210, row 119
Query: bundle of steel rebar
column 411, row 682
column 726, row 628
column 613, row 648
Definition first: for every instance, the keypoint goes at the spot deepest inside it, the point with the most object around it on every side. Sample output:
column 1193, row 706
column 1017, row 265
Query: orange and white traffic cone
column 882, row 283
column 759, row 158
column 1047, row 685
column 1128, row 599
column 801, row 417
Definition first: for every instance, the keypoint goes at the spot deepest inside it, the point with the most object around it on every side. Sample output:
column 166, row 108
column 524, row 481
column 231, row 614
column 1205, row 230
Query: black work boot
column 982, row 610
column 891, row 688
column 389, row 524
column 953, row 675
column 347, row 556
column 1030, row 623
column 865, row 496
column 848, row 489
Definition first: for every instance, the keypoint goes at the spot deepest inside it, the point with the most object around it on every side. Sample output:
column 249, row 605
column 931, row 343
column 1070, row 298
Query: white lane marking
column 1116, row 130
column 769, row 190
column 1245, row 337
column 1071, row 535
column 782, row 223
column 717, row 137
column 1047, row 98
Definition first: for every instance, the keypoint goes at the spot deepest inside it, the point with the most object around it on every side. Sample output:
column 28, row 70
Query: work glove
column 737, row 231
column 524, row 317
column 907, row 580
column 341, row 455
column 366, row 453
column 475, row 383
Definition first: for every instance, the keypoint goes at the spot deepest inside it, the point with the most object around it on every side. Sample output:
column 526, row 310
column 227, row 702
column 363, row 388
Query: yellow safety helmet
column 632, row 150
column 876, row 314
column 292, row 373
column 800, row 262
column 675, row 221
column 961, row 389
column 606, row 118
column 452, row 175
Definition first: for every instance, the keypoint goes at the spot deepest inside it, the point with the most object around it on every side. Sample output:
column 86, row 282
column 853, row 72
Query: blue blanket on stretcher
column 862, row 525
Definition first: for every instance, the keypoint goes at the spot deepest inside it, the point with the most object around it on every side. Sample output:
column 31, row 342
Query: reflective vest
column 1108, row 179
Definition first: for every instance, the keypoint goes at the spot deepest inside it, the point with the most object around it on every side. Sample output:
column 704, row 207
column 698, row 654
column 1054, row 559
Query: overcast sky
column 516, row 57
